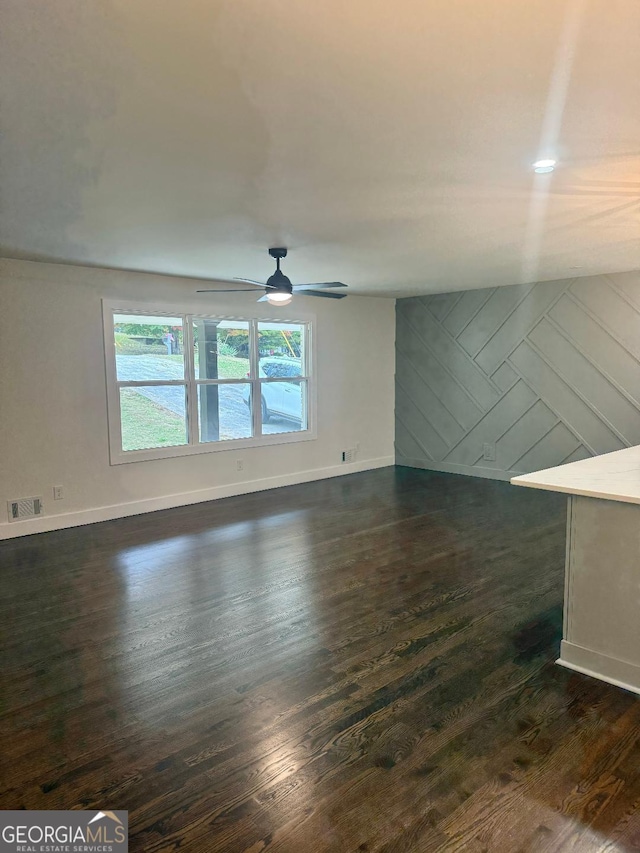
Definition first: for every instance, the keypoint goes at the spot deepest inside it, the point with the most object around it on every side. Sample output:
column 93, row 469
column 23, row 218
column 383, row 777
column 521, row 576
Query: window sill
column 126, row 457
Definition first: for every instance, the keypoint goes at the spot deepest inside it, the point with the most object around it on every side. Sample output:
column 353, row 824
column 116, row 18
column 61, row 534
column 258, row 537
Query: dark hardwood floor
column 358, row 664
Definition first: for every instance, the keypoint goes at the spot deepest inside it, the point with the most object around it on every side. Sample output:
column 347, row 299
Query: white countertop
column 612, row 476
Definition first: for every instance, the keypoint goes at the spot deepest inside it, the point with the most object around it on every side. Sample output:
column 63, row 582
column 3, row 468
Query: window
column 183, row 383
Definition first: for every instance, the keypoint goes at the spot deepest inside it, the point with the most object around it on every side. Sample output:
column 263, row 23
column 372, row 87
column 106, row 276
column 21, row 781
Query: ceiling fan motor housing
column 280, row 281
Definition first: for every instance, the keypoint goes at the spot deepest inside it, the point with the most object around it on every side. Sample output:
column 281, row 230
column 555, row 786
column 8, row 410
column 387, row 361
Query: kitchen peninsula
column 601, row 626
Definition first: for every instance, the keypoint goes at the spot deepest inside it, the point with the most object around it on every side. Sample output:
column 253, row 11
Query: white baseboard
column 467, row 470
column 620, row 673
column 107, row 513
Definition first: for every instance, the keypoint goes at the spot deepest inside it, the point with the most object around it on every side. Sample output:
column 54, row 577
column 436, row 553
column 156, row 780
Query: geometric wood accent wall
column 544, row 374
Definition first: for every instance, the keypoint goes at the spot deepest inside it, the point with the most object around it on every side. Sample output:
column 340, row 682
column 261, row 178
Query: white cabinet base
column 602, row 591
column 617, row 672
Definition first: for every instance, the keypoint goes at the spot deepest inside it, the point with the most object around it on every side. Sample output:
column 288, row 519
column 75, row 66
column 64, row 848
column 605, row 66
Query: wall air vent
column 25, row 508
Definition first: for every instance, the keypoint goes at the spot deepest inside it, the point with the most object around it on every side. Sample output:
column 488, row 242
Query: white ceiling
column 388, row 144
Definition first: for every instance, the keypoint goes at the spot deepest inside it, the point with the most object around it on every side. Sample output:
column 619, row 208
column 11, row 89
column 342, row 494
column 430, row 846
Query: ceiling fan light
column 279, row 297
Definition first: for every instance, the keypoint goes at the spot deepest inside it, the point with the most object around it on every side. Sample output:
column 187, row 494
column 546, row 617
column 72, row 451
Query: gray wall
column 548, row 373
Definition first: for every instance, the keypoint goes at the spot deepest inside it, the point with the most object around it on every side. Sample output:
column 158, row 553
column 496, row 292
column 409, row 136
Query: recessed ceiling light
column 544, row 166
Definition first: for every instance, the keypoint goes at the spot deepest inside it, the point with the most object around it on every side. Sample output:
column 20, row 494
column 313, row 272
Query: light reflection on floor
column 178, row 592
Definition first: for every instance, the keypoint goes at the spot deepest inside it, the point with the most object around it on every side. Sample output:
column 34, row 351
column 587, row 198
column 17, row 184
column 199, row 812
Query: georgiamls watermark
column 64, row 832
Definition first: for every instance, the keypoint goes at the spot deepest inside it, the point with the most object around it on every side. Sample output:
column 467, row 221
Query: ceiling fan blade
column 318, row 284
column 249, row 281
column 258, row 283
column 321, row 293
column 227, row 290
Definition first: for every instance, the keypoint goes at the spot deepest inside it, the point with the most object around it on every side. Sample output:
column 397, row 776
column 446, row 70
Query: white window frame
column 118, row 456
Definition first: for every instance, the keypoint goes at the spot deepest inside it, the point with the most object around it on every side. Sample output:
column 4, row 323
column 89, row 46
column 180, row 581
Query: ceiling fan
column 278, row 288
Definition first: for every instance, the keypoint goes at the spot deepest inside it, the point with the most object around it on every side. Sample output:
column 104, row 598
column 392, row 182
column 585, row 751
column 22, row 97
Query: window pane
column 221, row 349
column 148, row 347
column 153, row 416
column 284, row 406
column 224, row 412
column 281, row 348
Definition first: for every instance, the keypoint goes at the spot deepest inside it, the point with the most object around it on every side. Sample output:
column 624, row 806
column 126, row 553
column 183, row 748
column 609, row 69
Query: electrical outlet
column 349, row 455
column 239, row 464
column 489, row 452
column 58, row 493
